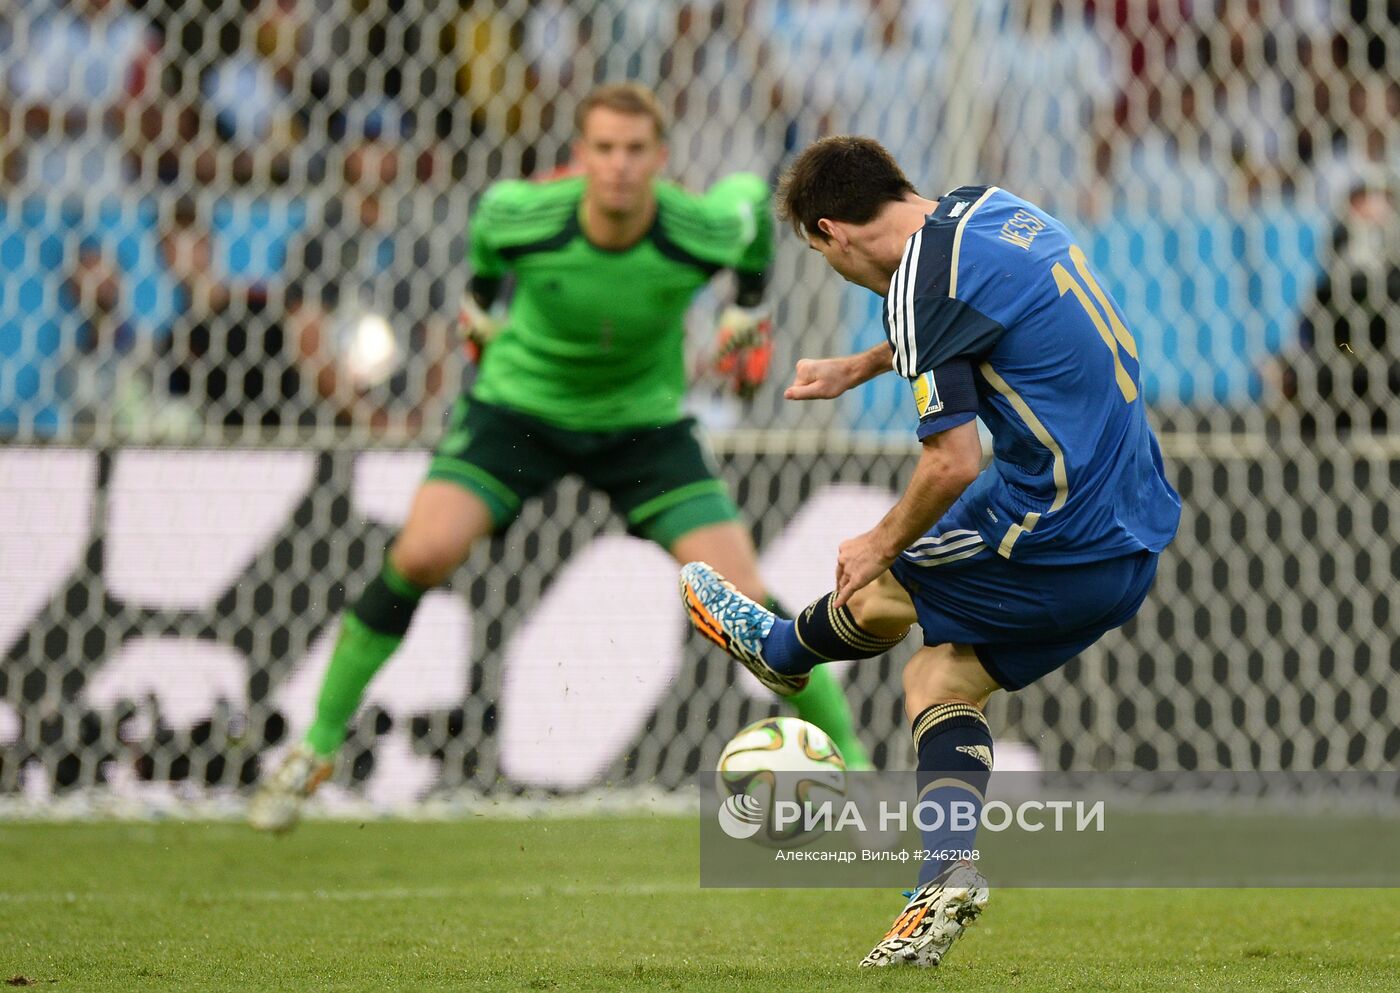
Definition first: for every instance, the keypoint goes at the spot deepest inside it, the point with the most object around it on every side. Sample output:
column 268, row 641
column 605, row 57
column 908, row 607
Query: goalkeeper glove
column 476, row 327
column 744, row 347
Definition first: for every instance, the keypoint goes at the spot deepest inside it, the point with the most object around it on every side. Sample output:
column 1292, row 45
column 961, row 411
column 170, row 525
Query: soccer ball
column 366, row 348
column 778, row 759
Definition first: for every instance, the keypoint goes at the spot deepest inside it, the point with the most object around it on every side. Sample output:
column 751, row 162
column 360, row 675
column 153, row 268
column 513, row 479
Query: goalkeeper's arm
column 744, row 338
column 475, row 323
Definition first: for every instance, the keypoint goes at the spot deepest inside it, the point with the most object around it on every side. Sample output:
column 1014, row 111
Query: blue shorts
column 1024, row 621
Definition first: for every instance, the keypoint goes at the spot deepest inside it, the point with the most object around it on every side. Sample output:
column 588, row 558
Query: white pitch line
column 357, row 896
column 1318, row 881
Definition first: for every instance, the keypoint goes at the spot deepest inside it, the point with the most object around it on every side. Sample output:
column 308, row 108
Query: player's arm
column 744, row 336
column 743, row 199
column 948, row 464
column 826, row 379
column 949, row 461
column 476, row 325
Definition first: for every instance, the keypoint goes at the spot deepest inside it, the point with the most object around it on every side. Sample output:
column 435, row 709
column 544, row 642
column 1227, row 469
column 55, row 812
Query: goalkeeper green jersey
column 594, row 339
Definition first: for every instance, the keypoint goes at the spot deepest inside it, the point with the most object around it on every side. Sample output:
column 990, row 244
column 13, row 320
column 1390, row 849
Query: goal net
column 202, row 209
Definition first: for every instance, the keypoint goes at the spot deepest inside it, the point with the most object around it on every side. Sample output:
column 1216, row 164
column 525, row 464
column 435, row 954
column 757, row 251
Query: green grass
column 602, row 905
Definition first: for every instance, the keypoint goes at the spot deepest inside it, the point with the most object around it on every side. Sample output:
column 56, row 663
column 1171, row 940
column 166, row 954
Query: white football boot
column 276, row 806
column 935, row 917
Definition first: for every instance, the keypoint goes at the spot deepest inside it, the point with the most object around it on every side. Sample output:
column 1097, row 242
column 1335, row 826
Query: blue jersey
column 993, row 296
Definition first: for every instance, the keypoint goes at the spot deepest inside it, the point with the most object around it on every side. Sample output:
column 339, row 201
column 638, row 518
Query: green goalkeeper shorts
column 659, row 478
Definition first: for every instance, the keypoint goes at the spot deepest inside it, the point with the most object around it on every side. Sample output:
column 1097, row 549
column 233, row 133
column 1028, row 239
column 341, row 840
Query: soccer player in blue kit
column 991, row 311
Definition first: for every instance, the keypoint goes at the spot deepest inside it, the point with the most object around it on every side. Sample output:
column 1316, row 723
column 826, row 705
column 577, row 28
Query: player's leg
column 1024, row 622
column 782, row 653
column 445, row 521
column 488, row 462
column 443, row 524
column 945, row 689
column 876, row 618
column 728, row 547
column 988, row 623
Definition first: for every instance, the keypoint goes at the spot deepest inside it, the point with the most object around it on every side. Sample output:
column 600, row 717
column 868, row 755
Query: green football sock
column 823, row 703
column 370, row 633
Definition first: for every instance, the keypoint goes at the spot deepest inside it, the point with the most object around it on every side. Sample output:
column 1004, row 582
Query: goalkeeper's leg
column 443, row 524
column 822, row 701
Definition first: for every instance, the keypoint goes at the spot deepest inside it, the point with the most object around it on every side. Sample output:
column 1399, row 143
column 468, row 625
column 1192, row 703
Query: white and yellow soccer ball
column 758, row 802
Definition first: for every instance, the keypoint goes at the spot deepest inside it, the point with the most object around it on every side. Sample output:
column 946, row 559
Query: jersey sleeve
column 944, row 397
column 516, row 216
column 484, row 250
column 740, row 205
column 926, row 326
column 729, row 227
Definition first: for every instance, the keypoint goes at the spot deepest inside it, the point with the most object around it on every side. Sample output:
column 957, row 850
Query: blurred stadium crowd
column 202, row 198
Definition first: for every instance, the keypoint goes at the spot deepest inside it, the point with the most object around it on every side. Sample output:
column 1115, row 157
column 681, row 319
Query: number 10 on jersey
column 1115, row 338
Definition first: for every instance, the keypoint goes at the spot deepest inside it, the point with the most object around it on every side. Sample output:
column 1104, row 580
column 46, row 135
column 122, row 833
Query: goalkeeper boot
column 733, row 622
column 935, row 917
column 276, row 806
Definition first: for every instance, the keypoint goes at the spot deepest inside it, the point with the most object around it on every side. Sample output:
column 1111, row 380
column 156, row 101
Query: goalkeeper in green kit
column 585, row 374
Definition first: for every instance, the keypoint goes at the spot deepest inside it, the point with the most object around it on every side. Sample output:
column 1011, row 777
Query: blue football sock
column 819, row 634
column 955, row 765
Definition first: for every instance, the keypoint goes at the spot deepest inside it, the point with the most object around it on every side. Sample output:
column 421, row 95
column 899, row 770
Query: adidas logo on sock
column 981, row 753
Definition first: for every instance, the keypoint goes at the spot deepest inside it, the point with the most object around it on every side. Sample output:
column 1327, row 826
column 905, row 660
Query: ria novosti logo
column 741, row 816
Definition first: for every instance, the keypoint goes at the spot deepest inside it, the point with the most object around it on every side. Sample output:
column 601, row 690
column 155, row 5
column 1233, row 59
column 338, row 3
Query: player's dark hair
column 625, row 98
column 843, row 178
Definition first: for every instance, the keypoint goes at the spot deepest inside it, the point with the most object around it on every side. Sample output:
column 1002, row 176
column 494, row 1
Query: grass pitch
column 601, row 904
